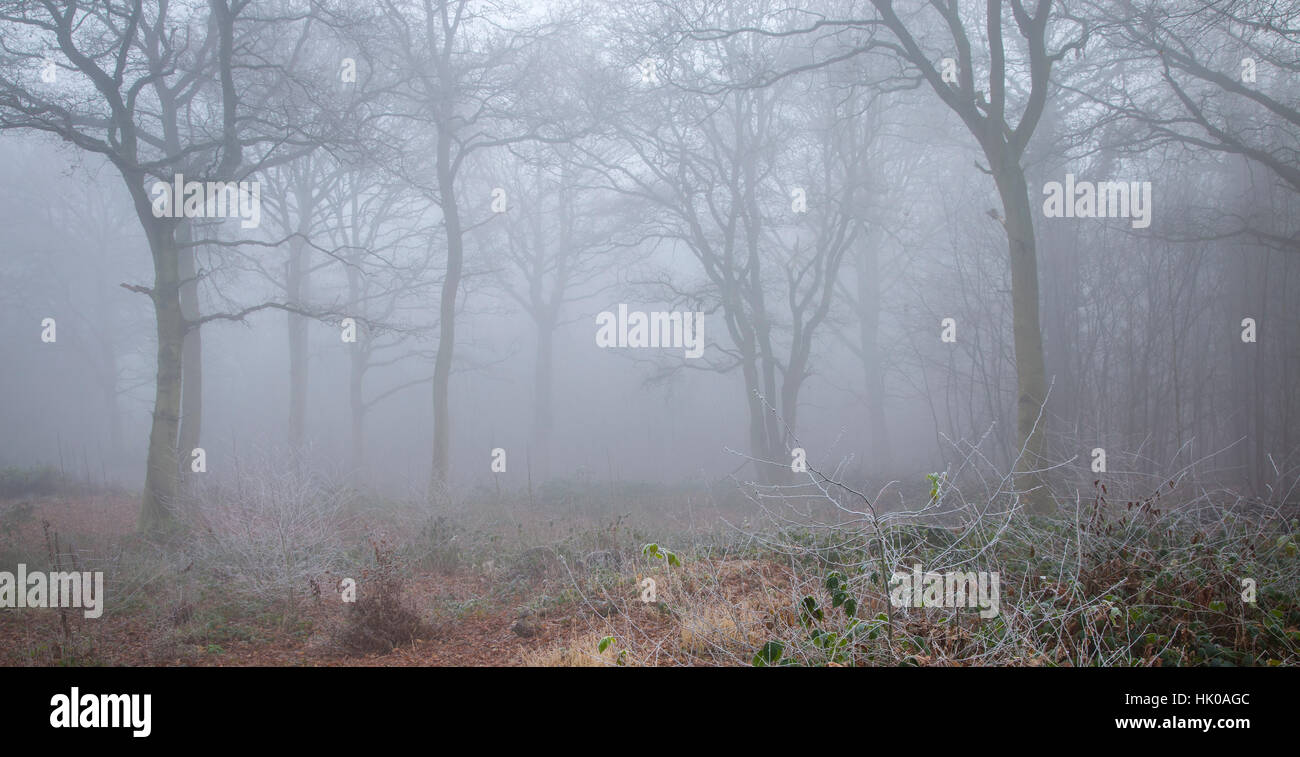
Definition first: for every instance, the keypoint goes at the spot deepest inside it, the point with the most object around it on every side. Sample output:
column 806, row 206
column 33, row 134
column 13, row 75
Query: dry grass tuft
column 710, row 630
column 579, row 653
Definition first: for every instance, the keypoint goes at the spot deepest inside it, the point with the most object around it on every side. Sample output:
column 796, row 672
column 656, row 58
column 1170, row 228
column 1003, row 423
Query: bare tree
column 462, row 70
column 761, row 190
column 560, row 236
column 111, row 56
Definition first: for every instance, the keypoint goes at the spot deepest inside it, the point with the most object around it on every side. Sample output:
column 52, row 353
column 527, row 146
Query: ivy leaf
column 810, row 611
column 770, row 654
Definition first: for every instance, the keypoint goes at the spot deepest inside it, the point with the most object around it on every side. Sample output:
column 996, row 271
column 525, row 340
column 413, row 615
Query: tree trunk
column 358, row 409
column 358, row 357
column 1031, row 379
column 868, row 270
column 447, row 315
column 757, row 417
column 296, row 286
column 543, row 412
column 192, row 352
column 162, row 468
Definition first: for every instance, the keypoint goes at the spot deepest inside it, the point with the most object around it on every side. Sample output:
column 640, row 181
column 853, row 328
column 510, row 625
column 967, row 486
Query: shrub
column 380, row 619
column 268, row 533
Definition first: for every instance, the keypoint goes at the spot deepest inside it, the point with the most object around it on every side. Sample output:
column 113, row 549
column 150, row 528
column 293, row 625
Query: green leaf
column 770, row 654
column 810, row 611
column 604, row 643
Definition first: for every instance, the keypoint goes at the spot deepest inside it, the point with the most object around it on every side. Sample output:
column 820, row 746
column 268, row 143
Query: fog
column 825, row 187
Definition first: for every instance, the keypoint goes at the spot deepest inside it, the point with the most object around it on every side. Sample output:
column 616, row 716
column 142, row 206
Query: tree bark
column 192, row 351
column 447, row 314
column 162, row 467
column 1031, row 381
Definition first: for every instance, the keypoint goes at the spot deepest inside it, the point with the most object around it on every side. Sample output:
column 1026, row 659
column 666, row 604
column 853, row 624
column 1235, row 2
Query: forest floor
column 473, row 613
column 637, row 578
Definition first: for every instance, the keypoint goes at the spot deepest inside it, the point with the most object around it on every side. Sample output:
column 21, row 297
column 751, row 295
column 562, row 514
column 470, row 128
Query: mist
column 470, row 255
